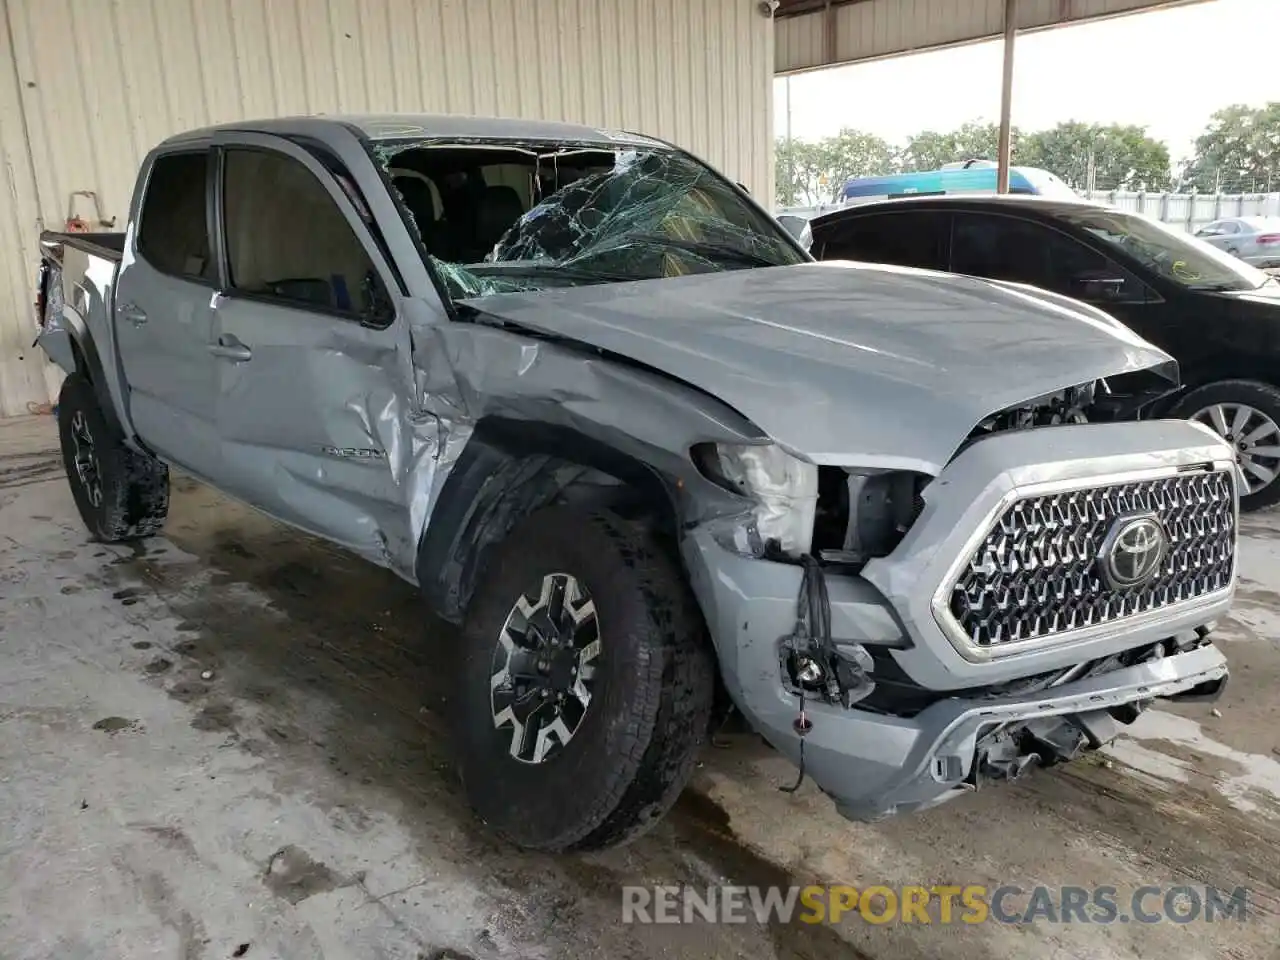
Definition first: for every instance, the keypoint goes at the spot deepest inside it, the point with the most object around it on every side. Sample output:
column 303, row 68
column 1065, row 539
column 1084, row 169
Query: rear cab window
column 173, row 232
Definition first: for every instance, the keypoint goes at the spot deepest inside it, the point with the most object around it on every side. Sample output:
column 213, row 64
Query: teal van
column 968, row 176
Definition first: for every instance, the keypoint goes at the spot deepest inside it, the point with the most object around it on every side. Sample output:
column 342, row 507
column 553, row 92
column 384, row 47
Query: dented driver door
column 311, row 396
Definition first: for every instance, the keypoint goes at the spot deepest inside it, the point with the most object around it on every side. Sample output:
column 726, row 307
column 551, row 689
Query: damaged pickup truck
column 611, row 418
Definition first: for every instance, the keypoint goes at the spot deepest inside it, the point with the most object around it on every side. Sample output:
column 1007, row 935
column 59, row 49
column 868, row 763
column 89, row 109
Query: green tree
column 853, row 153
column 1123, row 156
column 930, row 149
column 1239, row 151
column 807, row 172
column 799, row 168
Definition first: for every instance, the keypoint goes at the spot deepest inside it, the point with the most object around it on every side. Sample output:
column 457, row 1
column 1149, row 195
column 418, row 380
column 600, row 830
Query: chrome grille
column 1036, row 573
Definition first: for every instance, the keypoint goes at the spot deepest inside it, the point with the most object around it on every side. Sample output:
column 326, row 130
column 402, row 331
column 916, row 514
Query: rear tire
column 121, row 494
column 630, row 750
column 1217, row 405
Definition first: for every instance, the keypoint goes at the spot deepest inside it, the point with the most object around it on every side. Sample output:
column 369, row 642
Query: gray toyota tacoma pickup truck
column 612, row 420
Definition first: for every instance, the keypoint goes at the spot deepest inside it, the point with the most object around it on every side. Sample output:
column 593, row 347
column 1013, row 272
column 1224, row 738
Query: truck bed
column 110, row 246
column 66, row 274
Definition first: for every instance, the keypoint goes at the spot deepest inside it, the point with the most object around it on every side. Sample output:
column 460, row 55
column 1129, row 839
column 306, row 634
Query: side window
column 1219, row 228
column 1006, row 248
column 287, row 239
column 908, row 239
column 173, row 235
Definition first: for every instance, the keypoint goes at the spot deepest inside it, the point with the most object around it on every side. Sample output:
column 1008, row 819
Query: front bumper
column 938, row 750
column 875, row 764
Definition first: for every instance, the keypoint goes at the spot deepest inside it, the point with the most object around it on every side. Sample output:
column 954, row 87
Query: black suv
column 1219, row 317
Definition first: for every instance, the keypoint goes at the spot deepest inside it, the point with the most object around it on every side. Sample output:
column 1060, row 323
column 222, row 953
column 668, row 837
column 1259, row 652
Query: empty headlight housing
column 783, row 494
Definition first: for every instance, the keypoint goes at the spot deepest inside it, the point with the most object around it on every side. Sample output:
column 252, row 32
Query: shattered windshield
column 1191, row 262
column 500, row 218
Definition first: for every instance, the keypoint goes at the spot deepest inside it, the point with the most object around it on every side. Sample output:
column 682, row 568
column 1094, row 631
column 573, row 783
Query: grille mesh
column 1036, row 573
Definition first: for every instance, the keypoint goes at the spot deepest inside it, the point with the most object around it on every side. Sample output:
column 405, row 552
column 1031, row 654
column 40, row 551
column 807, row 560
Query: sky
column 1167, row 71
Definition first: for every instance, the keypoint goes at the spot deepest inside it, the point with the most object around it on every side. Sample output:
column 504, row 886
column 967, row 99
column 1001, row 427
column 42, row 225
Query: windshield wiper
column 707, row 248
column 549, row 268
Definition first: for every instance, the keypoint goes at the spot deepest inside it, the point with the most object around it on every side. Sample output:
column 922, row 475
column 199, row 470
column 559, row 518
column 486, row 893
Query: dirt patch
column 21, row 469
column 114, row 725
column 215, row 717
column 704, row 825
column 174, row 838
column 186, row 691
column 291, row 873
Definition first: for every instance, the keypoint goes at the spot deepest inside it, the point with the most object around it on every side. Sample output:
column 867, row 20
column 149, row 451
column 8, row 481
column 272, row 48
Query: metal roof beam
column 810, row 34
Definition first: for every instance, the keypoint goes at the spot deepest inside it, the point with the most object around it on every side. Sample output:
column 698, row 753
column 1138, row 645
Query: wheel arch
column 1219, row 369
column 88, row 364
column 1215, row 370
column 1263, row 396
column 511, row 468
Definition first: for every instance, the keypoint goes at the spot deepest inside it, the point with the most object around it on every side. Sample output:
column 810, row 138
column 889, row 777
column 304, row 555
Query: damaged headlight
column 783, row 490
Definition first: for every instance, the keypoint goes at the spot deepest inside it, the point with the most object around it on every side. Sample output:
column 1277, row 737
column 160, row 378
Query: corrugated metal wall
column 88, row 86
column 881, row 28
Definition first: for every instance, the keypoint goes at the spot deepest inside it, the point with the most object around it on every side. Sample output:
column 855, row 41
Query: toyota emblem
column 1133, row 551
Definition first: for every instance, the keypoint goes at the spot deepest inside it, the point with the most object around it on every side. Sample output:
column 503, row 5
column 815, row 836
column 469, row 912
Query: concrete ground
column 228, row 742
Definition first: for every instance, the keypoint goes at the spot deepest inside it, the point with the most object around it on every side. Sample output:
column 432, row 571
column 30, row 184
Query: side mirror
column 379, row 311
column 799, row 228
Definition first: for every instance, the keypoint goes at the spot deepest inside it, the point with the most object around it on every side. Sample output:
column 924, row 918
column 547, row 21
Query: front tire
column 587, row 684
column 121, row 494
column 1246, row 414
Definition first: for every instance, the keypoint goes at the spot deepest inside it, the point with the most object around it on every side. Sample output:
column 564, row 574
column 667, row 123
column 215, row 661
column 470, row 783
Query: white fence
column 1190, row 211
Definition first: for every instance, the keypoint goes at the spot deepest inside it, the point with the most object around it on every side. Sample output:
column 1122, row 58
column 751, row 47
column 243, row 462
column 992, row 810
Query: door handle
column 230, row 348
column 133, row 313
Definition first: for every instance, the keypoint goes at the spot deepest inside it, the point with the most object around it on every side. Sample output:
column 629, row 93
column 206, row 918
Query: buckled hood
column 849, row 364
